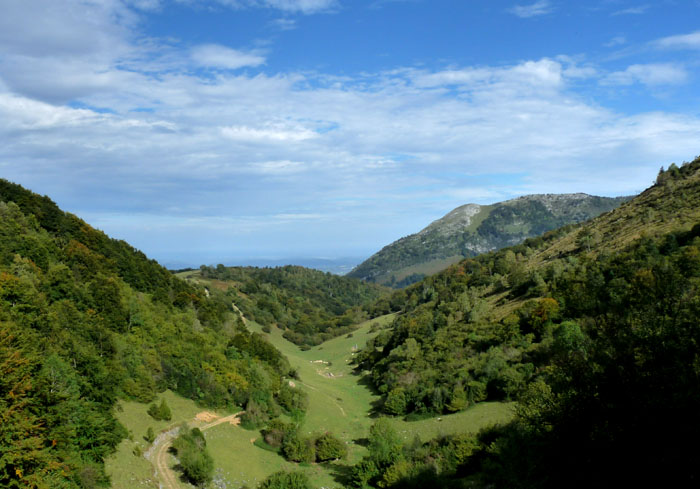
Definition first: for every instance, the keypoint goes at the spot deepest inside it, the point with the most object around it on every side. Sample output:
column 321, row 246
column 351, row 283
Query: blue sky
column 206, row 131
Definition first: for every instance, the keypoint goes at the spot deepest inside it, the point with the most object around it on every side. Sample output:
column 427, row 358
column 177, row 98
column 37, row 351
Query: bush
column 286, row 480
column 150, row 435
column 276, row 432
column 328, row 447
column 254, row 416
column 161, row 412
column 298, row 449
column 195, row 461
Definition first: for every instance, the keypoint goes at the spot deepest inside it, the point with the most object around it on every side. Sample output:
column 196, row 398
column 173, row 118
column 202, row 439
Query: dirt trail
column 235, row 308
column 168, row 478
column 333, row 400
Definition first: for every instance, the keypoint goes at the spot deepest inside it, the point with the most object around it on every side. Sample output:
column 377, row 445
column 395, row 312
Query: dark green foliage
column 150, row 435
column 297, row 448
column 286, row 480
column 91, row 319
column 328, row 447
column 294, row 401
column 196, row 463
column 276, row 432
column 311, row 306
column 385, row 451
column 160, row 412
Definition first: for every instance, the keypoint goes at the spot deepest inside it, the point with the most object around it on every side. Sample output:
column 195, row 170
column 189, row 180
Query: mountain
column 86, row 320
column 592, row 328
column 473, row 229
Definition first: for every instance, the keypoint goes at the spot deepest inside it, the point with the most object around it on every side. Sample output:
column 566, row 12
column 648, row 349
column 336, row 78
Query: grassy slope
column 338, row 402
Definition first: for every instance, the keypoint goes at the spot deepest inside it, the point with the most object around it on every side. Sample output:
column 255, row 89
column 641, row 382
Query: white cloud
column 616, row 41
column 275, row 132
column 682, row 41
column 639, row 10
column 300, row 6
column 284, row 24
column 648, row 74
column 216, row 56
column 541, row 7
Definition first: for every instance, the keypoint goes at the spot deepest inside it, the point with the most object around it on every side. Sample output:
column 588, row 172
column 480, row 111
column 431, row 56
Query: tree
column 196, row 462
column 160, row 412
column 150, row 435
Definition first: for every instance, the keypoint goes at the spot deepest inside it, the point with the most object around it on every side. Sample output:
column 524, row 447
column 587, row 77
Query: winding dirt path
column 243, row 318
column 168, row 478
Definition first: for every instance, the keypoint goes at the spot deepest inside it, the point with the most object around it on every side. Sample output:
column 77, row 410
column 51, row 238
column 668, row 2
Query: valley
column 339, row 401
column 512, row 369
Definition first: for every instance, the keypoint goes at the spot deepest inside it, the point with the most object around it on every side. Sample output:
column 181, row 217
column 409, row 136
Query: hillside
column 593, row 328
column 86, row 320
column 310, row 306
column 473, row 229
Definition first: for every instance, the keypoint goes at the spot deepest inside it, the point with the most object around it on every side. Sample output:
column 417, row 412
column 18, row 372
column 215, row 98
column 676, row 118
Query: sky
column 223, row 131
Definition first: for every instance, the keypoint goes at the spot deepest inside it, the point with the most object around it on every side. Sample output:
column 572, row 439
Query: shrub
column 150, row 435
column 195, row 461
column 161, row 412
column 328, row 447
column 286, row 480
column 298, row 449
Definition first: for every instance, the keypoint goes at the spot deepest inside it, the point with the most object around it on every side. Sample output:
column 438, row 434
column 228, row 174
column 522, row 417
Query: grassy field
column 127, row 468
column 338, row 402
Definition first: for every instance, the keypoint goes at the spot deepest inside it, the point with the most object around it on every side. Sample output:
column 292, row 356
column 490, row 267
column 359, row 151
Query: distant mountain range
column 472, row 229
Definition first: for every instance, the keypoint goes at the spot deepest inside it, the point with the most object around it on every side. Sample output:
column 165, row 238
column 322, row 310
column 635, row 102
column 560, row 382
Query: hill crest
column 472, row 229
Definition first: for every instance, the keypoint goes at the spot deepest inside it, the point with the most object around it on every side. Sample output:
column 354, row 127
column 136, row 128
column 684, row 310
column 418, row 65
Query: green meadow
column 339, row 402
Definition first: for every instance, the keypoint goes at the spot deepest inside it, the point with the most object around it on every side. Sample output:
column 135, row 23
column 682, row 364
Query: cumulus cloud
column 541, row 7
column 216, row 56
column 648, row 74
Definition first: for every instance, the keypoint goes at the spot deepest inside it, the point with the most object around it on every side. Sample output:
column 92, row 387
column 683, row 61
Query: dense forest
column 85, row 320
column 488, row 228
column 309, row 305
column 593, row 329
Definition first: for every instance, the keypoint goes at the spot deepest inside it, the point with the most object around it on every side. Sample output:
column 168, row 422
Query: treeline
column 310, row 305
column 613, row 407
column 85, row 320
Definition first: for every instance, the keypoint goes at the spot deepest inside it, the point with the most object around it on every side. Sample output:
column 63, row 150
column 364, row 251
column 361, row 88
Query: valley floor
column 340, row 401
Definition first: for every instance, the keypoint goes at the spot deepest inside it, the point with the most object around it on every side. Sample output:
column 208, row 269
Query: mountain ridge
column 472, row 229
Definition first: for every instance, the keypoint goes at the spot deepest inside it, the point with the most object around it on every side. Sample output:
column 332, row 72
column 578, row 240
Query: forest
column 310, row 305
column 86, row 320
